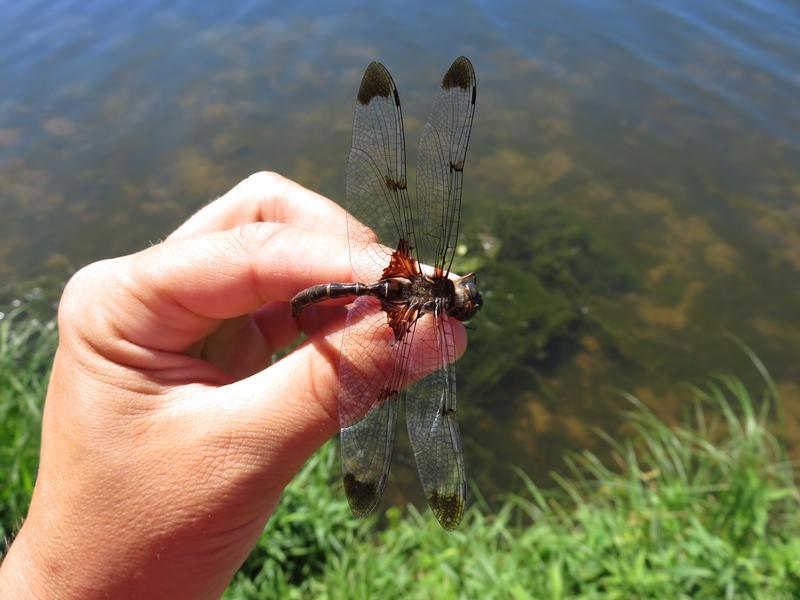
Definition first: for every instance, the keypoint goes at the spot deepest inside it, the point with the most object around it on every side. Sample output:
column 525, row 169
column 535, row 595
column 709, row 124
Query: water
column 667, row 132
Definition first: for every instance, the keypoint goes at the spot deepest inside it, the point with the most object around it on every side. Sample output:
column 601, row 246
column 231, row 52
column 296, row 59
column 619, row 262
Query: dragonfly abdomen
column 330, row 291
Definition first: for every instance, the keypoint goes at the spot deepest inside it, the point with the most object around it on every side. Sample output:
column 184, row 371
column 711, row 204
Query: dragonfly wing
column 379, row 213
column 432, row 425
column 371, row 373
column 440, row 166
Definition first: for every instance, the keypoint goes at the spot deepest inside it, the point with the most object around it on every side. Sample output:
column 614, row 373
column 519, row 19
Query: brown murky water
column 667, row 133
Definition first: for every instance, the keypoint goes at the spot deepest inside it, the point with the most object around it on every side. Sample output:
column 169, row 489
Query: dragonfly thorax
column 419, row 291
column 459, row 298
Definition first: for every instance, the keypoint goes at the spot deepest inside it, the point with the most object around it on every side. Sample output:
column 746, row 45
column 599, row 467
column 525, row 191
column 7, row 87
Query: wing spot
column 362, row 495
column 460, row 74
column 448, row 508
column 394, row 184
column 376, row 82
column 385, row 394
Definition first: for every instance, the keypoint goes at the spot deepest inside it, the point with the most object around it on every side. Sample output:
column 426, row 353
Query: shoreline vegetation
column 706, row 509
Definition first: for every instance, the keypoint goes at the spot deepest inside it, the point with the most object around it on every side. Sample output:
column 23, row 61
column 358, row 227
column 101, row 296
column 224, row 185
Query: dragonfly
column 398, row 345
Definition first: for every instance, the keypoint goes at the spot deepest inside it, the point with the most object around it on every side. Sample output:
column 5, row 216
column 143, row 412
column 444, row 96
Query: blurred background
column 631, row 191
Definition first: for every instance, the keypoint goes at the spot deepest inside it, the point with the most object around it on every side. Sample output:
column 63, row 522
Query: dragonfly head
column 466, row 298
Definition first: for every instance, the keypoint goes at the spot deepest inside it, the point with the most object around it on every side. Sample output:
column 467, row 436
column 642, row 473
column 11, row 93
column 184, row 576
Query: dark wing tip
column 362, row 495
column 448, row 508
column 376, row 82
column 460, row 74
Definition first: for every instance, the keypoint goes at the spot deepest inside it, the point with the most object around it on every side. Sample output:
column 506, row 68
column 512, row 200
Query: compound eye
column 473, row 293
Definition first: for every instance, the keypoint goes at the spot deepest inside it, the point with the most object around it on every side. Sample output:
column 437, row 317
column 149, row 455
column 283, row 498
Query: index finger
column 266, row 197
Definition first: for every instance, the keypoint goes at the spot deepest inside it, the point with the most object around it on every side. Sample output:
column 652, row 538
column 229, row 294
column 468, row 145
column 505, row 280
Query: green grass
column 705, row 510
column 26, row 352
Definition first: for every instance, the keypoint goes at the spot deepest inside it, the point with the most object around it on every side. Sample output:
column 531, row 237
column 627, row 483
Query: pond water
column 631, row 192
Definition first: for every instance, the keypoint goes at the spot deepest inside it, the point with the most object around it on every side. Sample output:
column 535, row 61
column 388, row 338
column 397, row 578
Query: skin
column 168, row 436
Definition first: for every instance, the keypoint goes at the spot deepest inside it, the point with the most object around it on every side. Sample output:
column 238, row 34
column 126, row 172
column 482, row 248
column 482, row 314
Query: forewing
column 440, row 165
column 432, row 426
column 377, row 198
column 370, row 375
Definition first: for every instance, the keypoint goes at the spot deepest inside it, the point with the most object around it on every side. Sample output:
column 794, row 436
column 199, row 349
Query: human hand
column 167, row 437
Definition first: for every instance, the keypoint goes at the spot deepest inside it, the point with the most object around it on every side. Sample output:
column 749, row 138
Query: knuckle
column 265, row 179
column 265, row 192
column 82, row 291
column 81, row 282
column 253, row 236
